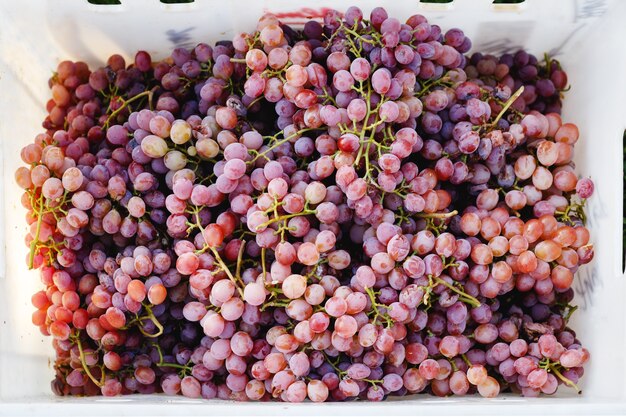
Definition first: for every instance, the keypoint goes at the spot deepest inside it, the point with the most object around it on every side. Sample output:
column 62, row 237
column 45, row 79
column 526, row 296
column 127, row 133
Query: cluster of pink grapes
column 354, row 209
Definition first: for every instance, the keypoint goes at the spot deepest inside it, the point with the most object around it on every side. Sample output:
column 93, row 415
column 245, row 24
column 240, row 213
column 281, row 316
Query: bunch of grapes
column 353, row 209
column 544, row 82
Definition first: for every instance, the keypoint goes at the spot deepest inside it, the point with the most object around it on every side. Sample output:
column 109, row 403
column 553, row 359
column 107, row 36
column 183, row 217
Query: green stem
column 339, row 371
column 286, row 217
column 263, row 263
column 468, row 298
column 367, row 115
column 466, row 360
column 354, row 33
column 508, row 104
column 437, row 215
column 374, row 382
column 570, row 311
column 150, row 316
column 221, row 263
column 240, row 259
column 126, row 103
column 427, row 85
column 377, row 313
column 81, row 354
column 33, row 244
column 546, row 58
column 218, row 258
column 162, row 364
column 567, row 381
column 280, row 142
column 256, row 100
column 274, row 304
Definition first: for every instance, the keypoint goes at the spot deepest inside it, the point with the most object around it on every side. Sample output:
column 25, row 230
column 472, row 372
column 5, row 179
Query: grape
column 343, row 80
column 52, row 188
column 317, row 391
column 157, row 294
column 489, row 388
column 308, row 254
column 429, row 369
column 346, row 326
column 294, row 286
column 537, row 378
column 154, row 146
column 111, row 388
column 571, row 358
column 254, row 294
column 336, row 306
column 584, row 187
column 72, row 179
column 477, row 374
column 381, row 80
column 190, row 387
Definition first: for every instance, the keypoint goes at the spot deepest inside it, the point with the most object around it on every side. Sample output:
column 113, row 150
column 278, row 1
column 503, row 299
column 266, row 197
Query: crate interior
column 586, row 36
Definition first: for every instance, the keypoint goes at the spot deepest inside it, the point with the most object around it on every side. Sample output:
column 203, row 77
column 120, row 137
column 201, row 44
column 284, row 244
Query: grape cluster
column 354, row 209
column 543, row 81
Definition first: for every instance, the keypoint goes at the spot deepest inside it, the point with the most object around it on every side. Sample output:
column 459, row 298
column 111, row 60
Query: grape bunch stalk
column 355, row 209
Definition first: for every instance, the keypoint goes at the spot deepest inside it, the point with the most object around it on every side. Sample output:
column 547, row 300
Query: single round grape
column 489, row 388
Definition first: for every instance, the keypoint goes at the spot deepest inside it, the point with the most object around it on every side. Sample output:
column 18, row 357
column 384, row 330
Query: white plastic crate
column 587, row 36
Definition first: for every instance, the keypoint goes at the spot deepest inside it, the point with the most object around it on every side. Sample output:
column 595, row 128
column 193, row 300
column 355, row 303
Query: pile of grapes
column 354, row 209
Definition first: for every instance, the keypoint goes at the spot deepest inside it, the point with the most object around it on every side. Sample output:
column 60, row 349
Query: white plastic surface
column 587, row 36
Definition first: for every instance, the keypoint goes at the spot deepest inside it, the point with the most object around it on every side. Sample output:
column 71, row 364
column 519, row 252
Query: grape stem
column 506, row 106
column 374, row 382
column 502, row 103
column 466, row 360
column 546, row 58
column 314, row 269
column 274, row 304
column 401, row 216
column 33, row 244
column 256, row 100
column 449, row 262
column 375, row 305
column 576, row 208
column 286, row 217
column 236, row 280
column 240, row 259
column 437, row 215
column 263, row 263
column 342, row 374
column 275, row 290
column 150, row 316
column 369, row 112
column 327, row 97
column 427, row 85
column 570, row 310
column 83, row 361
column 354, row 33
column 221, row 263
column 280, row 142
column 125, row 104
column 36, row 244
column 453, row 365
column 161, row 364
column 563, row 378
column 332, row 363
column 466, row 297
